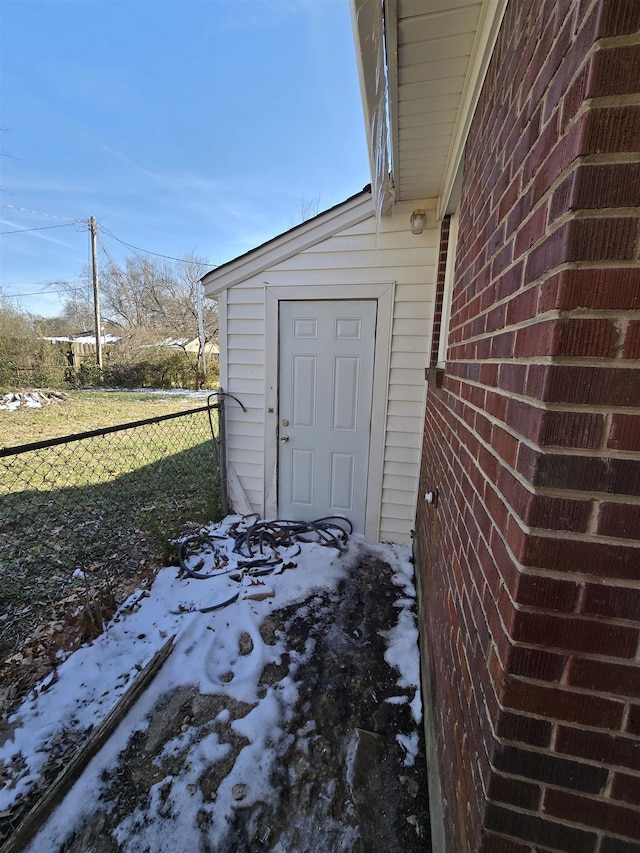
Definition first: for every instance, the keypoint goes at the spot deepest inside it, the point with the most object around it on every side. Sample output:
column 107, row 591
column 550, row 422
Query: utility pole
column 96, row 296
column 203, row 340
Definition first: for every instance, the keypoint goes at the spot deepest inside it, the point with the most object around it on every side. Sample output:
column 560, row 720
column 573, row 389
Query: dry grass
column 110, row 506
column 87, row 410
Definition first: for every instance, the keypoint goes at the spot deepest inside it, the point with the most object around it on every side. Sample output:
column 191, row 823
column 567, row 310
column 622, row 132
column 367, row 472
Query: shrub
column 26, row 361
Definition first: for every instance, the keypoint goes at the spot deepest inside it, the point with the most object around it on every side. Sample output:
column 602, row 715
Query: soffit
column 431, row 46
column 422, row 64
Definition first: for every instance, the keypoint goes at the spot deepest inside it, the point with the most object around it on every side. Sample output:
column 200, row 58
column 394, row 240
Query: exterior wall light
column 418, row 220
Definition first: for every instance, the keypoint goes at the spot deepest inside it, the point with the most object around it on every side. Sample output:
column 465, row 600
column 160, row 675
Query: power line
column 157, row 254
column 42, row 228
column 41, row 213
column 40, row 292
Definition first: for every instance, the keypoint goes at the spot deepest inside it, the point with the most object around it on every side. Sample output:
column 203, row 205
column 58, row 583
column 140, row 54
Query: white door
column 326, row 384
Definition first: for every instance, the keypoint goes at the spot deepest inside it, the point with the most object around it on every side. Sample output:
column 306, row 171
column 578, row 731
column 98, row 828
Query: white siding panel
column 244, row 371
column 407, row 377
column 405, row 392
column 397, row 512
column 251, row 401
column 361, row 242
column 236, row 441
column 246, row 325
column 248, row 343
column 400, row 454
column 363, row 254
column 245, row 356
column 354, row 260
column 410, row 292
column 243, row 294
column 243, row 387
column 408, row 343
column 415, row 310
column 410, row 326
column 393, row 224
column 254, row 495
column 246, row 311
column 414, row 275
column 251, row 416
column 407, row 360
column 408, row 426
column 396, row 532
column 243, row 468
column 399, row 469
column 403, row 439
column 394, row 513
column 245, row 379
column 397, row 483
column 399, row 499
column 252, row 428
column 411, row 408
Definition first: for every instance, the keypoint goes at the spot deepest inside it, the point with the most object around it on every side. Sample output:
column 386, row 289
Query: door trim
column 383, row 293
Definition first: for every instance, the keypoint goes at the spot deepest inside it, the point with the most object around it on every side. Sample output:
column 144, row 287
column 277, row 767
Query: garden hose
column 251, row 541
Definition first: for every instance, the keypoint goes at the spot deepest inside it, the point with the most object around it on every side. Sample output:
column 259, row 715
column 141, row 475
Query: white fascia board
column 391, row 41
column 366, row 20
column 291, row 243
column 484, row 43
column 368, row 24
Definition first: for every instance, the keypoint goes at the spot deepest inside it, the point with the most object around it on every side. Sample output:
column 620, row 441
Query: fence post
column 222, row 443
column 222, row 462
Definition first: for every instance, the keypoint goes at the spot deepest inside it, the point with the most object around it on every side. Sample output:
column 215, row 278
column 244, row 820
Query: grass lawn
column 87, row 410
column 98, row 511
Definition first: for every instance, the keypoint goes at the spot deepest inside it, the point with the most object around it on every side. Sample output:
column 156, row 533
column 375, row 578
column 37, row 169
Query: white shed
column 324, row 336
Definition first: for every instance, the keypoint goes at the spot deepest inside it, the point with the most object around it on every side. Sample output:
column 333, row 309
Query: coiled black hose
column 251, row 542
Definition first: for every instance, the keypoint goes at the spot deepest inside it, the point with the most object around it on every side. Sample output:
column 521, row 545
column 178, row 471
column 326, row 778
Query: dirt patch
column 340, row 778
column 47, row 632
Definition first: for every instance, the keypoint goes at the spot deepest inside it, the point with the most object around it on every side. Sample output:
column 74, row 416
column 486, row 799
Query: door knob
column 284, row 438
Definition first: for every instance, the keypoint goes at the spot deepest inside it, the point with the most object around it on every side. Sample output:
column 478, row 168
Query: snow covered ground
column 221, row 656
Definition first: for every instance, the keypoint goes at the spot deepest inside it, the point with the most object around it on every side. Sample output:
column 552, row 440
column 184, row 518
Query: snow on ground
column 206, row 654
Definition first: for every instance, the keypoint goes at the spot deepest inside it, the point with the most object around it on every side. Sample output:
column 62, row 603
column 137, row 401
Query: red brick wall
column 530, row 563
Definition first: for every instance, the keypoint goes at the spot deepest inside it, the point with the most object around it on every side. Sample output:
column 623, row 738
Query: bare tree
column 309, row 207
column 155, row 302
column 14, row 322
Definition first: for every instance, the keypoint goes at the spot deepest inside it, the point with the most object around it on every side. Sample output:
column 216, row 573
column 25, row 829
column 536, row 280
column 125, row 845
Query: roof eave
column 484, row 44
column 372, row 17
column 350, row 212
column 367, row 20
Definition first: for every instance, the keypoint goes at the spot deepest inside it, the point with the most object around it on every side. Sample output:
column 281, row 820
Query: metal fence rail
column 93, row 506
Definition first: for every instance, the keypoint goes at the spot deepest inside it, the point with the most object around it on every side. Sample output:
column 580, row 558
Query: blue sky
column 181, row 125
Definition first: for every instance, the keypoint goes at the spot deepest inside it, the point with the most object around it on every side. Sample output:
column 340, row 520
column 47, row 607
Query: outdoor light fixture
column 418, row 219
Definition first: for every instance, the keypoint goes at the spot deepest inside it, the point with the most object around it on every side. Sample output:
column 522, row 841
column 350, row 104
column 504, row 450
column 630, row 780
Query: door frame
column 383, row 294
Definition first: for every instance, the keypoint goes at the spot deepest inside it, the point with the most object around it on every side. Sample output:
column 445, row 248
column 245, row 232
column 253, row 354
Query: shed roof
column 349, row 212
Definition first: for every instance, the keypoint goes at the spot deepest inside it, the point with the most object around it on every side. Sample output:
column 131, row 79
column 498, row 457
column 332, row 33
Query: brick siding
column 530, row 563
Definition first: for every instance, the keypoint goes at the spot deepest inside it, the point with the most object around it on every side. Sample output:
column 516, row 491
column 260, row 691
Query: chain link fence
column 96, row 508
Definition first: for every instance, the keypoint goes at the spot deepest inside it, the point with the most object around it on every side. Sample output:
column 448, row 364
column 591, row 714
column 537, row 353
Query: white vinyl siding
column 244, row 363
column 346, row 262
